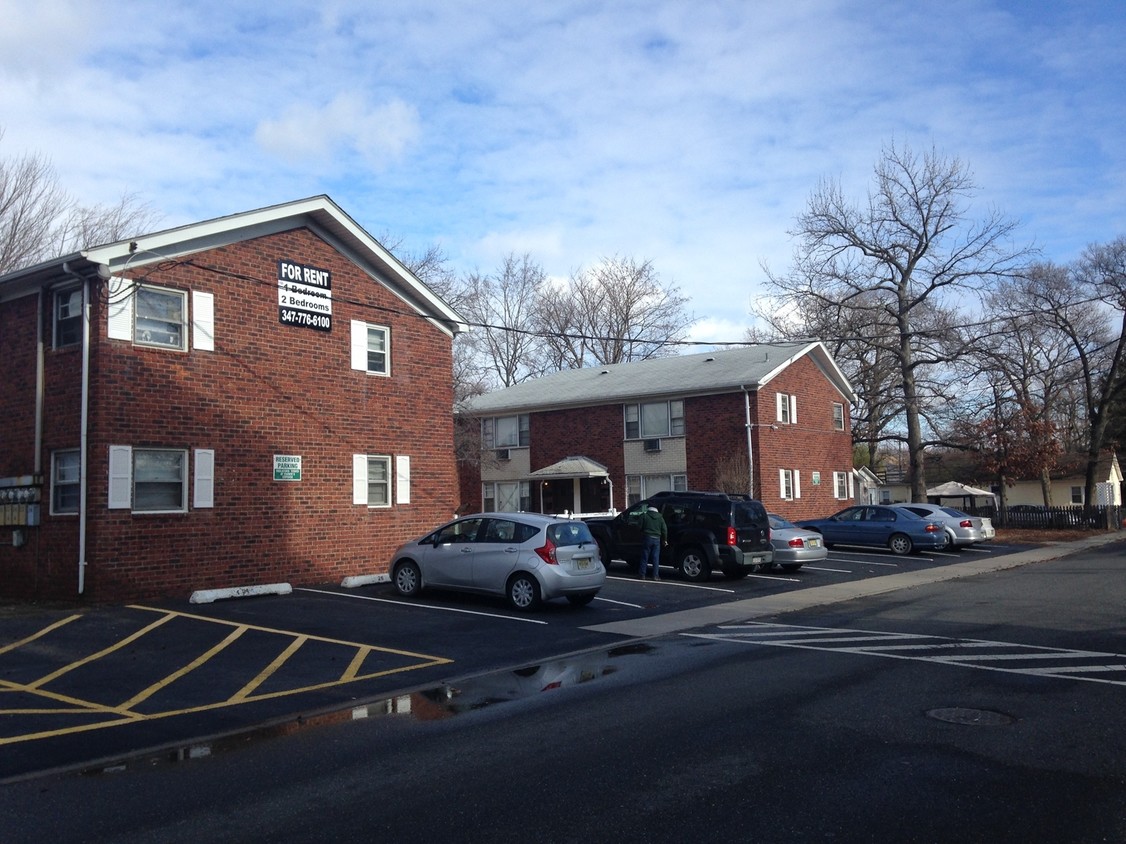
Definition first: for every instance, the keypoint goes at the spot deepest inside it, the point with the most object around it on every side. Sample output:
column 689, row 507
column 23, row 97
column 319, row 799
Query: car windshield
column 570, row 533
column 778, row 523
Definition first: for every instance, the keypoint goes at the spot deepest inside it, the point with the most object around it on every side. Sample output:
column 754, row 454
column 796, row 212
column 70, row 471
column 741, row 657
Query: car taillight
column 933, row 528
column 547, row 552
column 732, row 536
column 965, row 523
column 797, row 543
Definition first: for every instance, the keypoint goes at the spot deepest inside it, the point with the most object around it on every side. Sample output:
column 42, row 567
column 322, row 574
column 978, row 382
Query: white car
column 962, row 529
column 524, row 557
column 794, row 546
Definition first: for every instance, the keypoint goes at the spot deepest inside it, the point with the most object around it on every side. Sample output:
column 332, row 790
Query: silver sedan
column 524, row 557
column 794, row 546
column 962, row 529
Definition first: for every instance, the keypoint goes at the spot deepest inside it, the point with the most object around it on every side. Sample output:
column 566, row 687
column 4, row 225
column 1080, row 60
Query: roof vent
column 604, row 372
column 708, row 360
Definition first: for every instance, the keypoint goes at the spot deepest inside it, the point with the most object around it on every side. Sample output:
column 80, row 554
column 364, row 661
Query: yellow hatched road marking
column 267, row 672
column 40, row 634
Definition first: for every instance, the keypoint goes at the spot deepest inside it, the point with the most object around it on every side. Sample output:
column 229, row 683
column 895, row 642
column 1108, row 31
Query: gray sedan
column 962, row 529
column 794, row 546
column 524, row 557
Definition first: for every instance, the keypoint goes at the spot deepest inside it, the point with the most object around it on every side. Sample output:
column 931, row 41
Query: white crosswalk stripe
column 1008, row 657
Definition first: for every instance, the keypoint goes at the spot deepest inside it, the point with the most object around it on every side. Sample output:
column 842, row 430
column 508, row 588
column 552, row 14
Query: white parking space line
column 820, row 568
column 671, row 582
column 870, row 562
column 619, row 603
column 412, row 604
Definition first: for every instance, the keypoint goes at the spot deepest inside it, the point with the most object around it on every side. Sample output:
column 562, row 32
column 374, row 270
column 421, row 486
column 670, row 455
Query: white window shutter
column 359, row 479
column 403, row 479
column 120, row 477
column 782, row 484
column 120, row 309
column 779, row 399
column 360, row 351
column 793, row 410
column 203, row 321
column 851, row 490
column 797, row 483
column 203, row 489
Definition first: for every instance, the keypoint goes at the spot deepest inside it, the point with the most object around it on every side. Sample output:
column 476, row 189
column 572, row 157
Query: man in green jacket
column 654, row 536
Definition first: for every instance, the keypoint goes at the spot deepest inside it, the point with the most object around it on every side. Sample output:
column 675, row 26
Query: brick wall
column 267, row 389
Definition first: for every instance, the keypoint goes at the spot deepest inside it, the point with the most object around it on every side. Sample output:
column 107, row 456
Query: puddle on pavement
column 438, row 702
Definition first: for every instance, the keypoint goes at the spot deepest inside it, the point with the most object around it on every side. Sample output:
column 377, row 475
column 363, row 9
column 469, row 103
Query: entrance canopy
column 570, row 497
column 953, row 489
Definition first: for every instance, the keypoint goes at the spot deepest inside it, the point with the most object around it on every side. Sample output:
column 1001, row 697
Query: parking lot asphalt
column 82, row 689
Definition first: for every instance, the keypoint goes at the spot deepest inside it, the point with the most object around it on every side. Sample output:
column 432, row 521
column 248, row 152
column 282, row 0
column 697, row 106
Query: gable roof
column 317, row 213
column 704, row 373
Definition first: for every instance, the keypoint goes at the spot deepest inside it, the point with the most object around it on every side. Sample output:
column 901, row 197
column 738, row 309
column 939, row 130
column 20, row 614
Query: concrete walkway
column 803, row 599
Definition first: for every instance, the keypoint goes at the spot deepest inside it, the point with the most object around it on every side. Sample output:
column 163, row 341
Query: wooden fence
column 1053, row 518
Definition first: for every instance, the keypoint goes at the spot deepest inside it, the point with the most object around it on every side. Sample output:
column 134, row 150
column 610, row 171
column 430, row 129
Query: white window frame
column 363, row 480
column 786, row 408
column 842, row 483
column 519, row 425
column 362, row 335
column 59, row 483
column 516, row 494
column 789, row 484
column 639, row 487
column 638, row 427
column 1077, row 495
column 123, row 479
column 838, row 416
column 64, row 301
column 122, row 309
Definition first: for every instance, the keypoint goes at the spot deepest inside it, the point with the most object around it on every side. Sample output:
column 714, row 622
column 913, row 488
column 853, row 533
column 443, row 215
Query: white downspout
column 750, row 446
column 83, row 441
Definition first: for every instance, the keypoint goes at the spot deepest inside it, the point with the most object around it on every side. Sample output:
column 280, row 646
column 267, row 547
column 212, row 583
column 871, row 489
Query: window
column 371, row 348
column 65, row 478
column 787, row 408
column 507, row 496
column 644, row 486
column 655, row 419
column 838, row 416
column 842, row 485
column 148, row 480
column 68, row 317
column 1077, row 495
column 159, row 318
column 379, row 481
column 506, row 431
column 789, row 482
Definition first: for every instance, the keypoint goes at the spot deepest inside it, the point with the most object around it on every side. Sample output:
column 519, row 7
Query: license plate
column 813, row 543
column 756, row 560
column 582, row 562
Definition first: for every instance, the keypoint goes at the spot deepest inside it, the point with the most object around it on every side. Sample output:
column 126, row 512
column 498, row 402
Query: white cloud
column 347, row 124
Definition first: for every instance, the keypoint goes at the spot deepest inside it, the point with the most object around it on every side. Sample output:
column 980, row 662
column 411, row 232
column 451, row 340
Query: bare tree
column 1086, row 304
column 897, row 265
column 39, row 221
column 614, row 312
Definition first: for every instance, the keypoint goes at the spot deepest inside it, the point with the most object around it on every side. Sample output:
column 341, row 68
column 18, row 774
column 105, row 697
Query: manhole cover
column 971, row 717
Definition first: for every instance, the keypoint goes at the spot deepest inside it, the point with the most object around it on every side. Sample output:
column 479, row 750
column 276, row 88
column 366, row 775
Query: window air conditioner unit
column 652, row 445
column 502, row 454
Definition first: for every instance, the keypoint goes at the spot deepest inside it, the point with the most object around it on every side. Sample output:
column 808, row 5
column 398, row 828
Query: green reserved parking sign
column 287, row 467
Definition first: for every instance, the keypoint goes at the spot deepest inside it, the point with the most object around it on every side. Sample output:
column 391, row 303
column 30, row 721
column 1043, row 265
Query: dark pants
column 650, row 555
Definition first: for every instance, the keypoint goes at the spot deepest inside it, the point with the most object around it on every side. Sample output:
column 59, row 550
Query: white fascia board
column 824, row 362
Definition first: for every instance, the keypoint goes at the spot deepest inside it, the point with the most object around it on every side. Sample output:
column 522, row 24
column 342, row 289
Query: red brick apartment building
column 770, row 417
column 250, row 400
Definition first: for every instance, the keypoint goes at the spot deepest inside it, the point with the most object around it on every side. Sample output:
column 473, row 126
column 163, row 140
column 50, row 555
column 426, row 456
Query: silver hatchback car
column 524, row 557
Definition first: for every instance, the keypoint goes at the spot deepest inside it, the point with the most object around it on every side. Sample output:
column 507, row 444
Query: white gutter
column 83, row 439
column 750, row 446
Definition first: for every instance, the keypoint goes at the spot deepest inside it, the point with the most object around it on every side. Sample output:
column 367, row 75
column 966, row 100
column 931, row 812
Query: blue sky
column 686, row 132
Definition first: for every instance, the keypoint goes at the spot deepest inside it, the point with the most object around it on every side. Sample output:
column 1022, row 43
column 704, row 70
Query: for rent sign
column 304, row 296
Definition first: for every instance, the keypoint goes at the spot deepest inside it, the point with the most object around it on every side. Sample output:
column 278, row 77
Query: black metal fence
column 1053, row 518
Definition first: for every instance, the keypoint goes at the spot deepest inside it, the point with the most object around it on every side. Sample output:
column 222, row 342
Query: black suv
column 707, row 530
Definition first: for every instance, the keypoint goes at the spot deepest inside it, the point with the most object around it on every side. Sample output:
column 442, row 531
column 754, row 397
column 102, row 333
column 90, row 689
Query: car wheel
column 693, row 565
column 791, row 566
column 951, row 539
column 580, row 600
column 605, row 555
column 407, row 579
column 523, row 592
column 900, row 544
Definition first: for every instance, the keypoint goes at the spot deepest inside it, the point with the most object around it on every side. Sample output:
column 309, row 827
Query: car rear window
column 748, row 513
column 570, row 533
